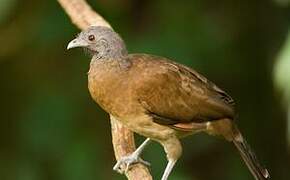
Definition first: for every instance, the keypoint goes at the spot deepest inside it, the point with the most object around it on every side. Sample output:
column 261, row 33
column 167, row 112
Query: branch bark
column 83, row 16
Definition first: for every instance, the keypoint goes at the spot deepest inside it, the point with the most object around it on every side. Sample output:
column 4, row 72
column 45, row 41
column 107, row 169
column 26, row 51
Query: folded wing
column 173, row 93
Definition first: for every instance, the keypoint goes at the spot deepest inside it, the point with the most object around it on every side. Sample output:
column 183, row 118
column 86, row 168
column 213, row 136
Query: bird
column 158, row 98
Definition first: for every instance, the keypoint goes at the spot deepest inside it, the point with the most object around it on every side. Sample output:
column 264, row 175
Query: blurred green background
column 50, row 128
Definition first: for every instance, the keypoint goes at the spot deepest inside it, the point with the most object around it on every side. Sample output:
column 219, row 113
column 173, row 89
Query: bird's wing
column 173, row 93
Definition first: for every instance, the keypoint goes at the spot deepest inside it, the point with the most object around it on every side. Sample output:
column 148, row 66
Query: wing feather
column 173, row 93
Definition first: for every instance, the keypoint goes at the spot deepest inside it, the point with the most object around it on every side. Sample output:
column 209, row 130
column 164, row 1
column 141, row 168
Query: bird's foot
column 123, row 164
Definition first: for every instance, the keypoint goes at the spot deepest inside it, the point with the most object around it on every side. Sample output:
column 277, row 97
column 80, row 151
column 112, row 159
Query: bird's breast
column 111, row 90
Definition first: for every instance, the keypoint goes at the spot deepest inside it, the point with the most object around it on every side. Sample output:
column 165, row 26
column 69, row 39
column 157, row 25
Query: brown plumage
column 158, row 98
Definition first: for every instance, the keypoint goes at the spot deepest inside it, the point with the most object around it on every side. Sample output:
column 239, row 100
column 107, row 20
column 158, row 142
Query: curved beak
column 76, row 43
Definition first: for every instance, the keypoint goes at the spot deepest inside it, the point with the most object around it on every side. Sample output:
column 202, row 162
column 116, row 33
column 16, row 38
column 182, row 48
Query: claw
column 127, row 161
column 144, row 162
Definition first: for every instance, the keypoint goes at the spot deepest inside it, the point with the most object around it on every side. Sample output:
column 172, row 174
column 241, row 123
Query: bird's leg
column 131, row 159
column 168, row 169
column 173, row 151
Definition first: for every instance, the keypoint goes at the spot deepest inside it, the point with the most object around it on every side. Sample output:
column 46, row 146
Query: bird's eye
column 91, row 37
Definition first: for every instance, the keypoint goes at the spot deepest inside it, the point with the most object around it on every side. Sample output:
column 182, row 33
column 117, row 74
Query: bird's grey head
column 103, row 42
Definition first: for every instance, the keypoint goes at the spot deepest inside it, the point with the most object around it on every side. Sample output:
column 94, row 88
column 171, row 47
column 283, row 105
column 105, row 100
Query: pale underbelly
column 145, row 126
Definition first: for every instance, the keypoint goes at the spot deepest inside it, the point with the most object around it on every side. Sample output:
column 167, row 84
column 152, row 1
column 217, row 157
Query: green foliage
column 51, row 128
column 282, row 79
column 5, row 9
column 282, row 71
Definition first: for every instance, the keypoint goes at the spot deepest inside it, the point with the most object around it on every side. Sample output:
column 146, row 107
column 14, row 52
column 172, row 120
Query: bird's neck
column 105, row 64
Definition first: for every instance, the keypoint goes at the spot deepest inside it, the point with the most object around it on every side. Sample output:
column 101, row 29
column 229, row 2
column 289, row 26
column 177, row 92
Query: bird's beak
column 76, row 43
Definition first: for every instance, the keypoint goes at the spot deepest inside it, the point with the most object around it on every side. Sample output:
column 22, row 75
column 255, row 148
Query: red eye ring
column 91, row 37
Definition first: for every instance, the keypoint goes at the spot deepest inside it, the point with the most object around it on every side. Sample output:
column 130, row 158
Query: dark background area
column 50, row 128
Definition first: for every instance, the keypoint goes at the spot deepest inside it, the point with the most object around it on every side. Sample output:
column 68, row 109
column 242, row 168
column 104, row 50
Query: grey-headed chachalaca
column 158, row 98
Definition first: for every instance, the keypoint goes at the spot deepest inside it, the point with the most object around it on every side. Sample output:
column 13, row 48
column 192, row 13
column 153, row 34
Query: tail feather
column 229, row 131
column 249, row 157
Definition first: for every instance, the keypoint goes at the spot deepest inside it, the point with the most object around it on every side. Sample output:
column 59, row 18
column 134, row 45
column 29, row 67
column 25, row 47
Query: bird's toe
column 123, row 164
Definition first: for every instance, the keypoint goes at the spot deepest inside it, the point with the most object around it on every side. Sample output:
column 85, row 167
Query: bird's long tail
column 249, row 157
column 229, row 130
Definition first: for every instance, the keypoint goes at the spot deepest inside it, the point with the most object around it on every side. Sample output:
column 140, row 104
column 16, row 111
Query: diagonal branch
column 83, row 16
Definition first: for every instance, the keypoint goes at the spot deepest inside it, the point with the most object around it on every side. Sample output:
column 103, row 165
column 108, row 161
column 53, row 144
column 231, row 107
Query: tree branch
column 82, row 15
